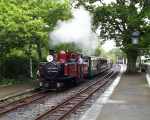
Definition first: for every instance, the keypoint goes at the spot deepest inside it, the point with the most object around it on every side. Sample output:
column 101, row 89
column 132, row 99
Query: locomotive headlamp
column 50, row 58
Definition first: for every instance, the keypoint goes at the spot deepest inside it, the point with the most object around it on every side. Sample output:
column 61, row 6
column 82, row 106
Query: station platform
column 12, row 90
column 128, row 98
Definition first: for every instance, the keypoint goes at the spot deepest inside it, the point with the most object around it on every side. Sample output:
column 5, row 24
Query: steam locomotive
column 65, row 68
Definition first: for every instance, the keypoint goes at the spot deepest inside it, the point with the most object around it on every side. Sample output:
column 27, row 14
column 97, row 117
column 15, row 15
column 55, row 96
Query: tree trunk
column 39, row 51
column 31, row 69
column 30, row 60
column 131, row 64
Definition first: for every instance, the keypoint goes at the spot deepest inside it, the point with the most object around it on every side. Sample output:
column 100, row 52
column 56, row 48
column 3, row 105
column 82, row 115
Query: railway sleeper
column 83, row 95
column 58, row 114
column 62, row 109
column 78, row 98
column 52, row 117
column 87, row 93
column 74, row 102
column 69, row 105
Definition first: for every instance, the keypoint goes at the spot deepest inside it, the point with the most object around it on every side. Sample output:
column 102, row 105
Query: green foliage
column 22, row 22
column 114, row 53
column 98, row 52
column 68, row 47
column 17, row 67
column 24, row 28
column 118, row 20
column 117, row 52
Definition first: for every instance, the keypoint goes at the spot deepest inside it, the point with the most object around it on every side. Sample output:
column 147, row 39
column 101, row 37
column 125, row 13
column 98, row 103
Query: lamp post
column 135, row 41
column 135, row 37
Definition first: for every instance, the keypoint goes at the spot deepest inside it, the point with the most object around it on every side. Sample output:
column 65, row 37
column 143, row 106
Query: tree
column 22, row 23
column 98, row 51
column 118, row 20
column 68, row 47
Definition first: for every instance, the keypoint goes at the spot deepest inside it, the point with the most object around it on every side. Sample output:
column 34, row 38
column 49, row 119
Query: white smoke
column 77, row 30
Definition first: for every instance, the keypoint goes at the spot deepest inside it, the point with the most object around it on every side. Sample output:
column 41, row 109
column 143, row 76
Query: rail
column 5, row 108
column 63, row 109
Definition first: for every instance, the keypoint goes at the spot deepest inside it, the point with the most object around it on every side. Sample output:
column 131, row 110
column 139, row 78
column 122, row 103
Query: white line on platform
column 96, row 108
column 148, row 79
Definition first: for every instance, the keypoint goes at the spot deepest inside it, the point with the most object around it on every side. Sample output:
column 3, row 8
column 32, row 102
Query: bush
column 16, row 67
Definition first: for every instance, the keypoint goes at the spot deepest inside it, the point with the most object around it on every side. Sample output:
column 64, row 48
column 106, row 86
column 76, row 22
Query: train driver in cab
column 80, row 59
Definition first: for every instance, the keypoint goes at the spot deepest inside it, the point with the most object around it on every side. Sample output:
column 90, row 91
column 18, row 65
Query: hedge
column 16, row 67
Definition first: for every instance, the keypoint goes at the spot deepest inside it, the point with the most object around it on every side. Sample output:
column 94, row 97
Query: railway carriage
column 97, row 65
column 65, row 68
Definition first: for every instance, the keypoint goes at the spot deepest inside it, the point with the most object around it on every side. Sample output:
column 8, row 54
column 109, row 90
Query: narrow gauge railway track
column 5, row 108
column 10, row 106
column 63, row 109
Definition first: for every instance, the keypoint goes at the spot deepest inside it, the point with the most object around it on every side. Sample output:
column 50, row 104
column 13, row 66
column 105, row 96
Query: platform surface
column 129, row 101
column 14, row 89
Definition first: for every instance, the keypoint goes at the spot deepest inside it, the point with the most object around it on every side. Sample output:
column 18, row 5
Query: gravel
column 86, row 105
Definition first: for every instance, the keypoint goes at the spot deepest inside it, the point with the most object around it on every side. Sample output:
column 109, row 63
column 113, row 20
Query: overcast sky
column 109, row 1
column 109, row 45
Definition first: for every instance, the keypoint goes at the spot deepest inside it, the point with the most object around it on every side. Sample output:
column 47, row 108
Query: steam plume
column 77, row 30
